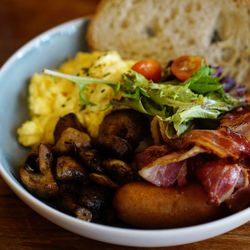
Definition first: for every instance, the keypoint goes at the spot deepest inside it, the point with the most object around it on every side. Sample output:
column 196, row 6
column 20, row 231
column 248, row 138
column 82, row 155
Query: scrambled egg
column 53, row 97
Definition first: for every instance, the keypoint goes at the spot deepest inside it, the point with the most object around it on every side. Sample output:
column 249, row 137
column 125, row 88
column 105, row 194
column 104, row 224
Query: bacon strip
column 225, row 179
column 238, row 121
column 244, row 178
column 222, row 142
column 240, row 199
column 165, row 170
column 219, row 178
column 150, row 154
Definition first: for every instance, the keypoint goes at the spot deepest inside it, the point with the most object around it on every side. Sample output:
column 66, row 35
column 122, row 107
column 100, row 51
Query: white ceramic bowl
column 49, row 50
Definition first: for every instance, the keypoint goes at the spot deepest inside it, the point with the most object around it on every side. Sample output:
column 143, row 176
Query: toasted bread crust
column 93, row 24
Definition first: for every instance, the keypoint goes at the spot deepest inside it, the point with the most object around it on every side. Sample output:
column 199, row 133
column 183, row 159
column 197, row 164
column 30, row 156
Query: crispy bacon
column 240, row 199
column 238, row 121
column 150, row 154
column 165, row 170
column 220, row 178
column 225, row 177
column 182, row 176
column 243, row 180
column 222, row 142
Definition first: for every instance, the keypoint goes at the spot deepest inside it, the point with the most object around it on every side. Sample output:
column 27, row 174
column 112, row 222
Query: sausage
column 144, row 205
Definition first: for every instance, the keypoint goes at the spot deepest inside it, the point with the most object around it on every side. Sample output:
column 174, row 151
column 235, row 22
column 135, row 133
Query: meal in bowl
column 130, row 143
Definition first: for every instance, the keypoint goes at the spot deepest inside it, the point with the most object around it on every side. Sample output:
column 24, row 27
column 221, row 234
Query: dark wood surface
column 20, row 227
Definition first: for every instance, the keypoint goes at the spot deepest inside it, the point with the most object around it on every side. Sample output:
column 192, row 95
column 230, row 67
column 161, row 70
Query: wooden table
column 20, row 227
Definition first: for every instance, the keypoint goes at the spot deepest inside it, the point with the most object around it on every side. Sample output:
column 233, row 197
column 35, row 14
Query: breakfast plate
column 49, row 50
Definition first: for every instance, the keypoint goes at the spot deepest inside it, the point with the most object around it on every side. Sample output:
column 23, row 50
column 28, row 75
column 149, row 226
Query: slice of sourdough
column 164, row 29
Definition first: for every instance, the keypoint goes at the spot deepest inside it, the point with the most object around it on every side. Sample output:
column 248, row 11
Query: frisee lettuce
column 201, row 96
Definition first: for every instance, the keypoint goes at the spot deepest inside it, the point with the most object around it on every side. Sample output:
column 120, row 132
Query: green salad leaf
column 202, row 81
column 201, row 96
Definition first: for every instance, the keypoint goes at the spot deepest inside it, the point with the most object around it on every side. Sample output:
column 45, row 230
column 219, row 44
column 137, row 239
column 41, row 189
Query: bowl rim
column 35, row 41
column 222, row 225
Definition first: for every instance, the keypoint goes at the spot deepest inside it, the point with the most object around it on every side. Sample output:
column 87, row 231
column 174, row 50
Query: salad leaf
column 143, row 105
column 134, row 85
column 182, row 118
column 201, row 96
column 203, row 81
column 173, row 95
column 133, row 80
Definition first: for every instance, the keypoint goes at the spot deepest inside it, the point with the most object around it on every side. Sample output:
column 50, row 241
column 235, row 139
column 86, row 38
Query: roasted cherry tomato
column 149, row 68
column 185, row 66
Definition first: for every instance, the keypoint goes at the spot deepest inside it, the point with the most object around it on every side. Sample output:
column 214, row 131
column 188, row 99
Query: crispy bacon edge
column 165, row 170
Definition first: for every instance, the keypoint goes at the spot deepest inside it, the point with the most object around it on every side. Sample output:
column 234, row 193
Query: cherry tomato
column 149, row 68
column 185, row 66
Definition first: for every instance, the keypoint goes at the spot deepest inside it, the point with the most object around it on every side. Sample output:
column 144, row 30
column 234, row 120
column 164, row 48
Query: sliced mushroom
column 70, row 187
column 41, row 182
column 127, row 124
column 83, row 214
column 68, row 121
column 91, row 159
column 95, row 199
column 31, row 162
column 68, row 203
column 102, row 180
column 118, row 170
column 72, row 140
column 114, row 146
column 68, row 169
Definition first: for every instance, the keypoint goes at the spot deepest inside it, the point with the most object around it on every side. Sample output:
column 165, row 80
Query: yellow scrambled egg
column 53, row 97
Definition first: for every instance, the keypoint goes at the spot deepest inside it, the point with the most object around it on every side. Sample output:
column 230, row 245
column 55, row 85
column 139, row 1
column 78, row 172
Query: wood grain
column 20, row 227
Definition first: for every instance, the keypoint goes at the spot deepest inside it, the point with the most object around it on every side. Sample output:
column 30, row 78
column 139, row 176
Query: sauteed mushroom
column 68, row 169
column 118, row 170
column 114, row 145
column 91, row 159
column 39, row 180
column 70, row 187
column 86, row 180
column 71, row 140
column 68, row 203
column 83, row 214
column 68, row 121
column 127, row 124
column 103, row 180
column 95, row 199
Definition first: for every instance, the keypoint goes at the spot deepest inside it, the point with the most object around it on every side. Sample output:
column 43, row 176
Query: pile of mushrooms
column 80, row 174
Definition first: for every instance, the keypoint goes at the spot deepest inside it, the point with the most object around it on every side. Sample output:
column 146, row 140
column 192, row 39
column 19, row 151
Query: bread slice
column 164, row 29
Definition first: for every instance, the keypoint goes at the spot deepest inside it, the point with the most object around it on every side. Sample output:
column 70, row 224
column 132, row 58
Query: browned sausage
column 144, row 205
